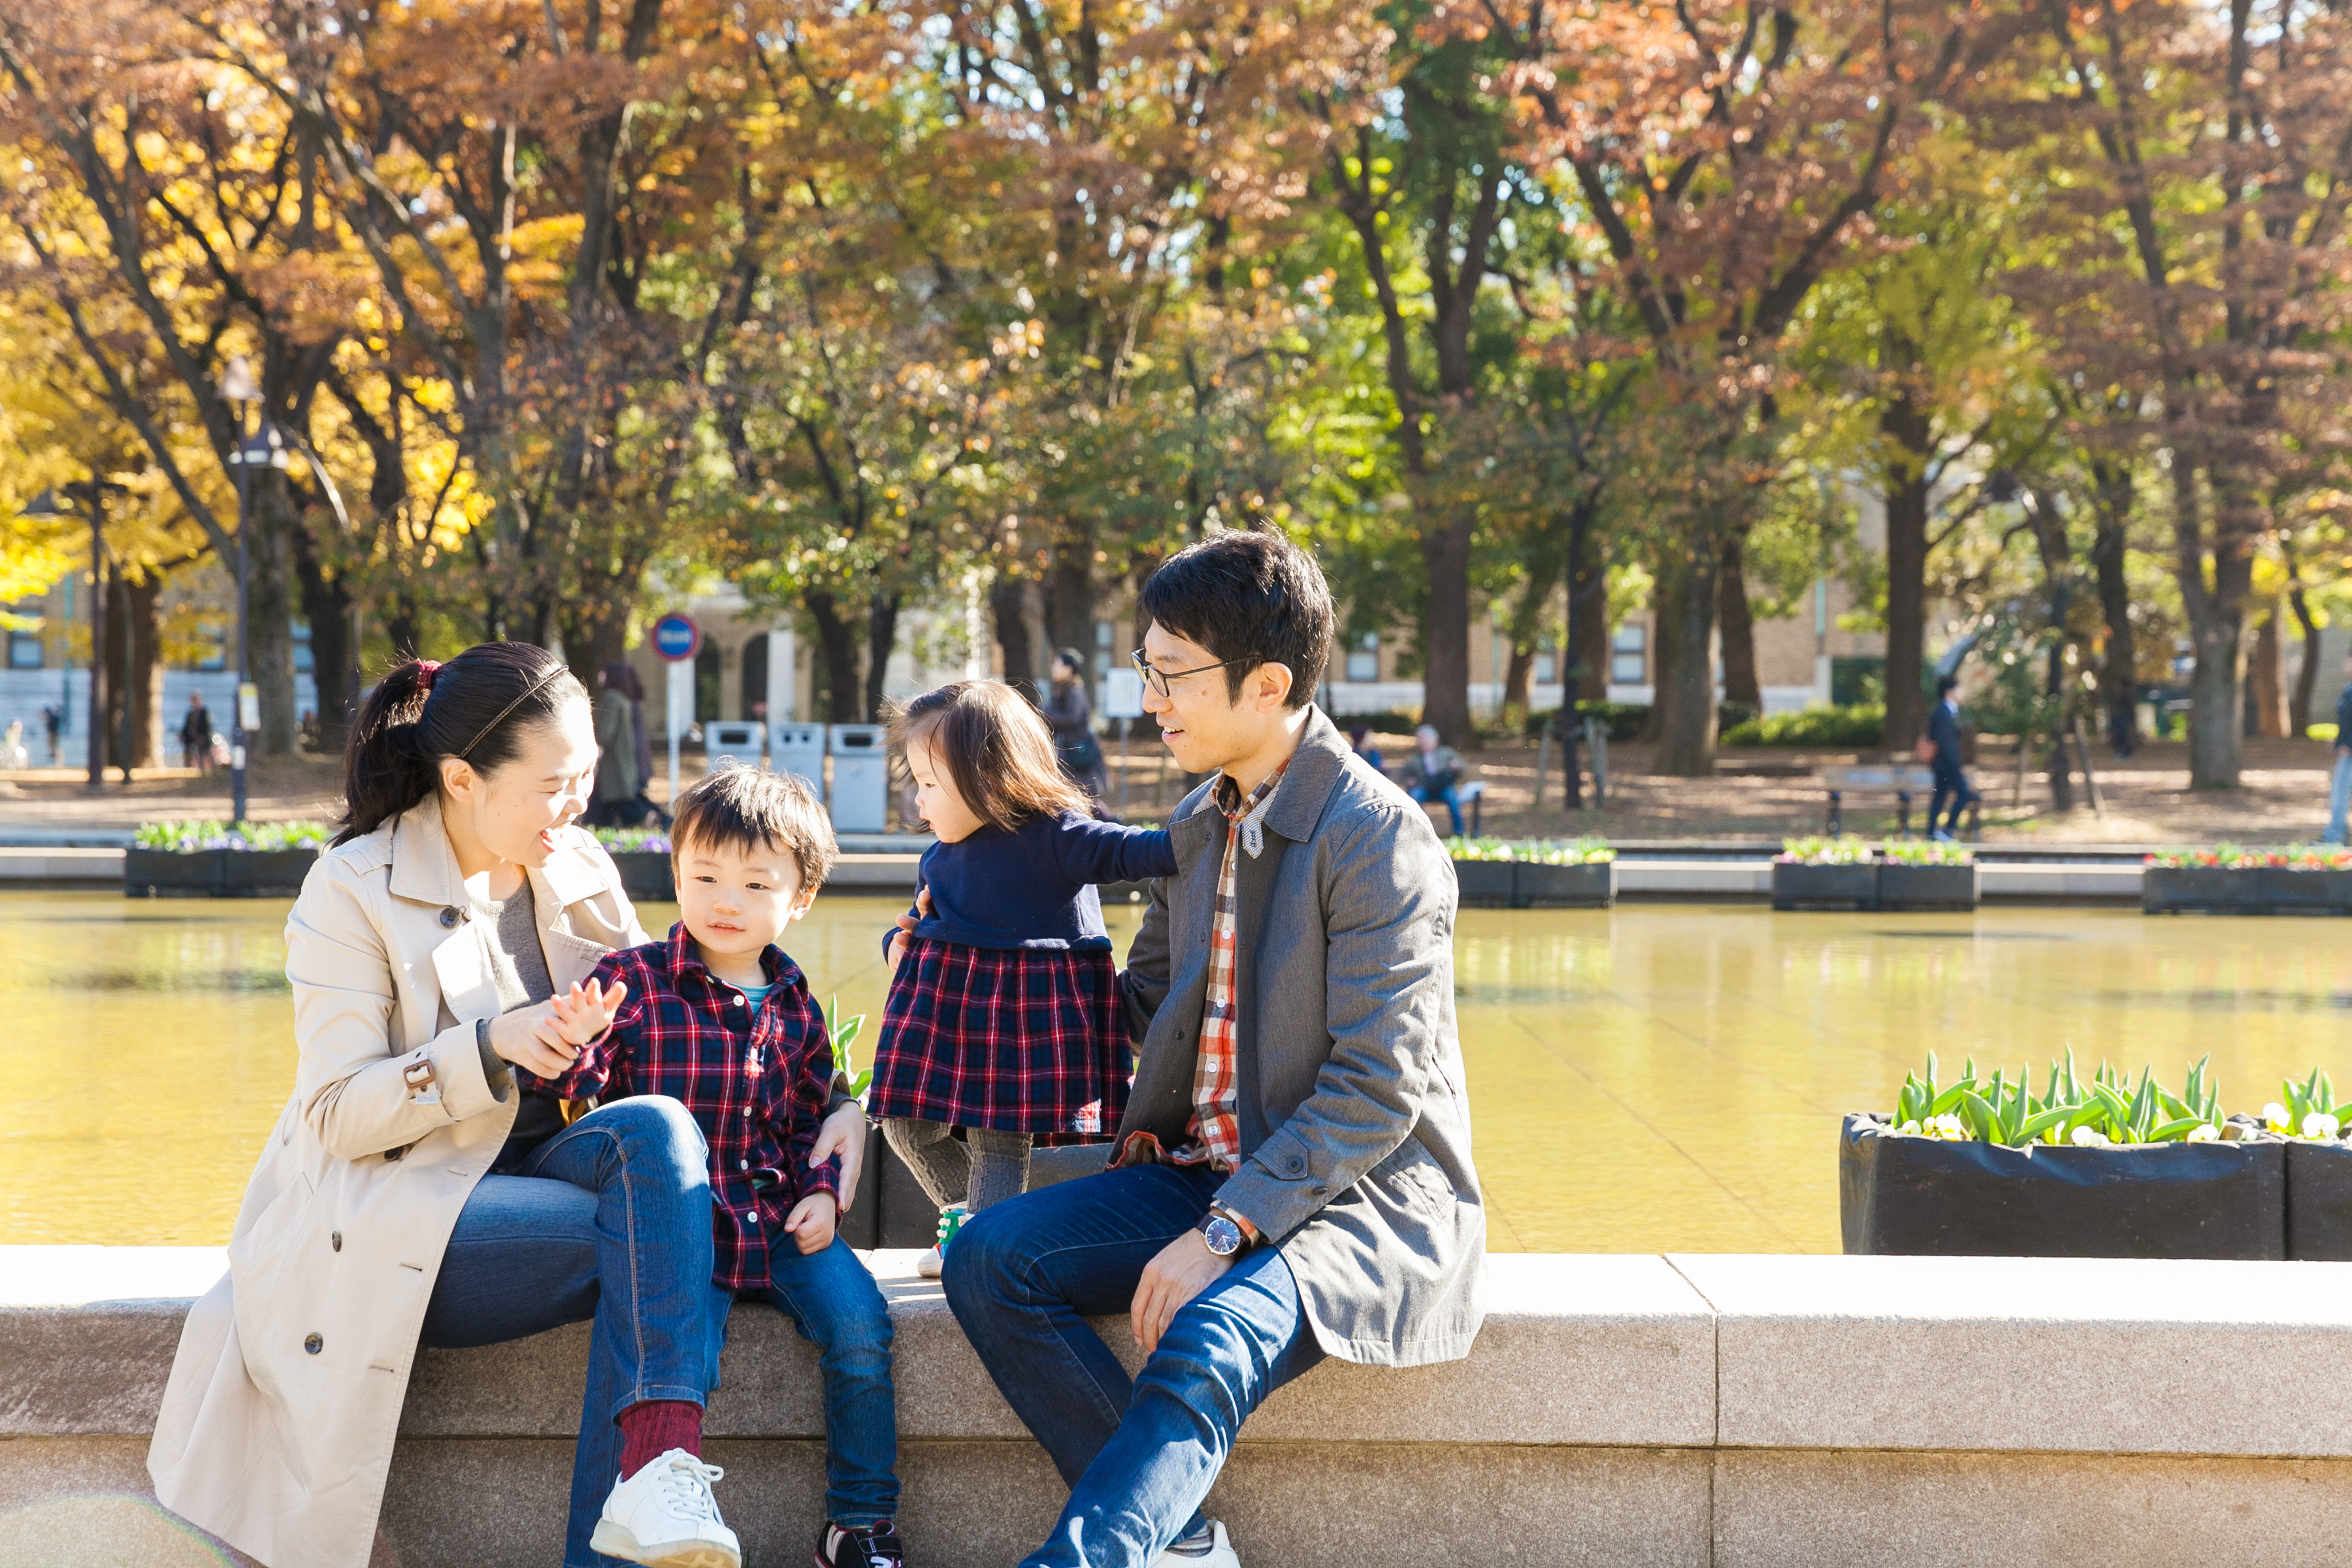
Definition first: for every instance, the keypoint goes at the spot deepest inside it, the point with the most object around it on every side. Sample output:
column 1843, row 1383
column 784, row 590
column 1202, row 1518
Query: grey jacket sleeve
column 1143, row 983
column 1390, row 921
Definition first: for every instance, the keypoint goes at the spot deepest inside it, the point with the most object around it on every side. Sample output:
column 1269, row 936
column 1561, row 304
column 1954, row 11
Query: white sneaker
column 1210, row 1550
column 930, row 1265
column 664, row 1516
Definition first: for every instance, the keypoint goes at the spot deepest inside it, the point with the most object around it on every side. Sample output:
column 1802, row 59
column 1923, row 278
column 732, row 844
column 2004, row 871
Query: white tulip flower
column 2090, row 1138
column 2207, row 1134
column 2275, row 1117
column 2319, row 1124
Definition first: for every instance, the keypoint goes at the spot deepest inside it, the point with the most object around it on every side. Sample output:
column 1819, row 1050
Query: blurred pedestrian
column 1359, row 739
column 2340, row 788
column 1071, row 718
column 53, row 720
column 620, row 777
column 1944, row 733
column 196, row 735
column 1434, row 773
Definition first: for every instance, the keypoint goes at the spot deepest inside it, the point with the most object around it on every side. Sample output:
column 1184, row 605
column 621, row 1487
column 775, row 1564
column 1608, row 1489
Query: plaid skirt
column 1026, row 1039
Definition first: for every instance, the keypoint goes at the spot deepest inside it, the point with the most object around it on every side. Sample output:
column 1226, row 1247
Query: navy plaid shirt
column 758, row 1083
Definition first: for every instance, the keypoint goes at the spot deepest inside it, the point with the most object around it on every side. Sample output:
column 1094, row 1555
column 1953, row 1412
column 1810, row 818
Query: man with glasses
column 1292, row 1178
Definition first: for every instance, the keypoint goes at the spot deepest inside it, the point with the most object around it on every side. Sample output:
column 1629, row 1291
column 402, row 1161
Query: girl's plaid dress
column 1004, row 1011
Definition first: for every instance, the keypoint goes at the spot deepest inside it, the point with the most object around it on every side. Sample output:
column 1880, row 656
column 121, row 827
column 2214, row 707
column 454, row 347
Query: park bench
column 1901, row 780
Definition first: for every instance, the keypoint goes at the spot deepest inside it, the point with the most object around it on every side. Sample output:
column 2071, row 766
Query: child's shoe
column 931, row 1263
column 664, row 1515
column 871, row 1546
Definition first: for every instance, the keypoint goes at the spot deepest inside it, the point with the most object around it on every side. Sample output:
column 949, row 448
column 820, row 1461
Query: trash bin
column 799, row 749
column 730, row 744
column 861, row 777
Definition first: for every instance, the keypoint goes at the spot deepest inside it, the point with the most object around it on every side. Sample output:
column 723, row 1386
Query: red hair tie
column 426, row 668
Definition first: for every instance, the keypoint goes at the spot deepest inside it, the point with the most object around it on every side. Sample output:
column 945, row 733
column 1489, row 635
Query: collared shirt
column 757, row 1080
column 1214, row 1135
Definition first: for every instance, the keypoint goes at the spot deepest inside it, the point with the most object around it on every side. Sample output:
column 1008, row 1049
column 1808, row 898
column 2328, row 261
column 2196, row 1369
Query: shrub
column 1925, row 852
column 2230, row 857
column 631, row 840
column 2107, row 1110
column 1535, row 851
column 1846, row 850
column 193, row 838
column 1860, row 725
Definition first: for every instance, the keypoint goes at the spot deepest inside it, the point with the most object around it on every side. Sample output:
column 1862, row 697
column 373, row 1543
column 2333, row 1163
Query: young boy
column 718, row 1019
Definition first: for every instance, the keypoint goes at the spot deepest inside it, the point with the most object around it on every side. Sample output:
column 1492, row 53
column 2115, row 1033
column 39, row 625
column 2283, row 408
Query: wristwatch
column 1224, row 1236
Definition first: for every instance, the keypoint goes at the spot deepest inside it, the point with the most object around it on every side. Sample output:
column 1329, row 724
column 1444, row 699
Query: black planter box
column 645, row 875
column 2244, row 890
column 1927, row 887
column 2319, row 1202
column 215, row 873
column 1592, row 886
column 1796, row 887
column 1925, row 1196
column 1484, row 884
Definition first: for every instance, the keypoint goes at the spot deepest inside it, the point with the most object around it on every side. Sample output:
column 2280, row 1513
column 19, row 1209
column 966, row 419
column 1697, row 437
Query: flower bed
column 1534, row 873
column 221, row 859
column 2227, row 880
column 1847, row 873
column 641, row 855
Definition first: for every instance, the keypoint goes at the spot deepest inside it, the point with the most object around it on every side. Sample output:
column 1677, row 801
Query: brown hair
column 745, row 808
column 998, row 752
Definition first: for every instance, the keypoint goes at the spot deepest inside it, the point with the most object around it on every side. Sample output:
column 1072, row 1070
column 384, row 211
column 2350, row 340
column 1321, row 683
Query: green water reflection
column 1645, row 1079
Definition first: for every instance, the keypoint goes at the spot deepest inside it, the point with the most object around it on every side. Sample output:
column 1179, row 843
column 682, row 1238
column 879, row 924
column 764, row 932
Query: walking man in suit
column 1292, row 1179
column 1944, row 730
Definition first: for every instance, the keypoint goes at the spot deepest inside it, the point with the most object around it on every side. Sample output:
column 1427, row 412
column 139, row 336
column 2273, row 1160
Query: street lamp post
column 238, row 386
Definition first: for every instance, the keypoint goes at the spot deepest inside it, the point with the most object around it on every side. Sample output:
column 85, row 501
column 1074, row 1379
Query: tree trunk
column 1445, row 627
column 1588, row 611
column 1907, row 425
column 1740, row 683
column 327, row 606
column 881, row 638
column 1070, row 595
column 592, row 642
column 137, row 669
column 2119, row 679
column 269, row 612
column 2217, row 615
column 2268, row 677
column 1008, row 601
column 2306, row 672
column 836, row 657
column 1687, row 724
column 404, row 625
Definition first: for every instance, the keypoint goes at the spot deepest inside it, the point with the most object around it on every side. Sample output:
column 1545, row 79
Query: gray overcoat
column 1355, row 1122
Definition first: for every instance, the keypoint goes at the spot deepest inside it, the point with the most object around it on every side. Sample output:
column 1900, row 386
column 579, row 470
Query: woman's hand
column 583, row 1013
column 531, row 1039
column 843, row 1133
column 812, row 1222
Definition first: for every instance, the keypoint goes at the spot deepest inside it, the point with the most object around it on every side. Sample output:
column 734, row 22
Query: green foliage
column 1847, row 849
column 842, row 1033
column 633, row 840
column 1925, row 852
column 1534, row 851
column 193, row 838
column 2306, row 1111
column 2110, row 1109
column 2228, row 857
column 1859, row 726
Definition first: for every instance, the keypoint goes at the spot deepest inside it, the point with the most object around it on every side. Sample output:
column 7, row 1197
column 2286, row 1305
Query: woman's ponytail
column 475, row 707
column 386, row 768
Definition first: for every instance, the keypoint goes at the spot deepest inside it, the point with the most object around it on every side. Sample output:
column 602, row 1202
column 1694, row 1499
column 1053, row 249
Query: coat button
column 449, row 919
column 335, row 1240
column 314, row 1344
column 1294, row 1164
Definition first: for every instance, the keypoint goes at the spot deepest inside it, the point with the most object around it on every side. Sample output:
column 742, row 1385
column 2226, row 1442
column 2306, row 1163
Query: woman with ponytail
column 417, row 1191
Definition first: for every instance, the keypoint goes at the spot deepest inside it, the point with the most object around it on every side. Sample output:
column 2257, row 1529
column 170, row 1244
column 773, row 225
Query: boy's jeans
column 621, row 1197
column 2339, row 796
column 1138, row 1457
column 836, row 1306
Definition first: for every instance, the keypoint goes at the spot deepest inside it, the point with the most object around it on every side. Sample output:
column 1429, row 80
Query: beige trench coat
column 276, row 1427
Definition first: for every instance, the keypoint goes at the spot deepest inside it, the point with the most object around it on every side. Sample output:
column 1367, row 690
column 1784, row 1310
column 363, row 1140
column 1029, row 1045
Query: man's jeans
column 610, row 1219
column 1953, row 783
column 2339, row 797
column 837, row 1308
column 1450, row 794
column 1138, row 1457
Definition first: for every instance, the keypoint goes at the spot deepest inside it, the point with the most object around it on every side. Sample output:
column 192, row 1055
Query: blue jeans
column 1139, row 1456
column 1449, row 794
column 608, row 1220
column 837, row 1308
column 2339, row 796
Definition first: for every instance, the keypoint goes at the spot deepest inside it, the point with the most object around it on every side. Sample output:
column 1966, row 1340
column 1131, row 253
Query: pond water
column 1646, row 1079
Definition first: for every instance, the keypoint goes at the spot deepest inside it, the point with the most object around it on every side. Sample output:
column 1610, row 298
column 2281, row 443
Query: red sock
column 650, row 1429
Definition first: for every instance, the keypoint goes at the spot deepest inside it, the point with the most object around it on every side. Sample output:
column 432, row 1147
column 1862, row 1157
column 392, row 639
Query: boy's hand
column 586, row 1011
column 812, row 1222
column 843, row 1134
column 533, row 1040
column 897, row 948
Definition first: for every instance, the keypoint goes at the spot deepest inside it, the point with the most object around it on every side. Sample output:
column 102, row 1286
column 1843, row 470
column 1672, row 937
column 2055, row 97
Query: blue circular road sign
column 676, row 637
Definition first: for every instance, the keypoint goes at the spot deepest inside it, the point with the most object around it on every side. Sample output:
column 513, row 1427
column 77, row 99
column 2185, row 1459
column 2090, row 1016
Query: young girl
column 1003, row 1017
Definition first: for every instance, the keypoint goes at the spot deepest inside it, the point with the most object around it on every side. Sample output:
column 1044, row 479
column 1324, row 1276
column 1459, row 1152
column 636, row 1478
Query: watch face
column 1225, row 1237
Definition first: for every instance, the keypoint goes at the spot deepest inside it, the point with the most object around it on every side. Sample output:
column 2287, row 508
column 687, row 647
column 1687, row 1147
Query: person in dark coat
column 2339, row 787
column 1944, row 729
column 196, row 735
column 1071, row 718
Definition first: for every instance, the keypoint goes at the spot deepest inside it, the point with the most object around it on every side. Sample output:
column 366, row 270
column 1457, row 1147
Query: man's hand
column 897, row 948
column 843, row 1133
column 812, row 1222
column 587, row 1010
column 1184, row 1268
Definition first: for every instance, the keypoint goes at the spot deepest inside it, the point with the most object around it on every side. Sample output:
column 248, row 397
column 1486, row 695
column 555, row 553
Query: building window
column 24, row 651
column 1364, row 658
column 1628, row 655
column 1546, row 663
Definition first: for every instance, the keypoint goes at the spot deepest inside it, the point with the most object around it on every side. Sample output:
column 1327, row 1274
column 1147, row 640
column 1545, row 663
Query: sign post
column 677, row 639
column 1122, row 700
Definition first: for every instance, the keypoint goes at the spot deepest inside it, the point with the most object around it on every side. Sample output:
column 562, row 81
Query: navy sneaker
column 863, row 1546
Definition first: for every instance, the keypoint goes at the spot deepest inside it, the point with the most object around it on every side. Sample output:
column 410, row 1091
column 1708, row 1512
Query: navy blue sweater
column 1034, row 887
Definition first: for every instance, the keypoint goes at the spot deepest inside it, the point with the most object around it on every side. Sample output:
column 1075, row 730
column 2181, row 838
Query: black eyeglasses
column 1158, row 678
